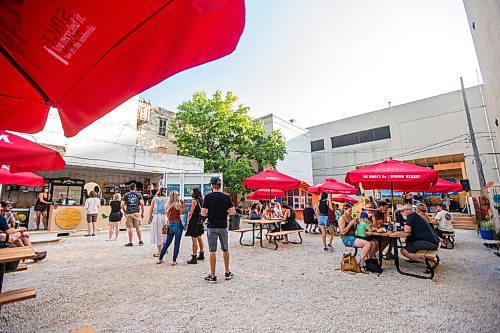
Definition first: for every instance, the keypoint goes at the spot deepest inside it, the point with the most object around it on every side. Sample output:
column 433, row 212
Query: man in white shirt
column 92, row 205
column 444, row 221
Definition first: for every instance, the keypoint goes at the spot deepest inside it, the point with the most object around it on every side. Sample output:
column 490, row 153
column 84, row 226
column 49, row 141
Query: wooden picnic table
column 260, row 223
column 13, row 254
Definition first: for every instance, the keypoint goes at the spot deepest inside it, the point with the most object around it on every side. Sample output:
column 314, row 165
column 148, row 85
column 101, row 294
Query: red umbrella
column 345, row 199
column 332, row 186
column 444, row 186
column 271, row 179
column 265, row 194
column 88, row 57
column 392, row 174
column 20, row 178
column 24, row 155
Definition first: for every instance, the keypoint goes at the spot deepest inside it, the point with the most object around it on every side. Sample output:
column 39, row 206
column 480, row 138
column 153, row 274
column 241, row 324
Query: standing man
column 131, row 202
column 217, row 205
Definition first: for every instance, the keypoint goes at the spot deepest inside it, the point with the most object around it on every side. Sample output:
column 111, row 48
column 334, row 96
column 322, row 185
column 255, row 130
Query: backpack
column 373, row 266
column 332, row 218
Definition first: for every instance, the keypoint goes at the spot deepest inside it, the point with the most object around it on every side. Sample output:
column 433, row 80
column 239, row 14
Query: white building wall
column 110, row 142
column 297, row 162
column 430, row 127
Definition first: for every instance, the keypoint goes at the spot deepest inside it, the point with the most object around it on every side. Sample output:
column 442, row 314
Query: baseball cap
column 363, row 215
column 215, row 180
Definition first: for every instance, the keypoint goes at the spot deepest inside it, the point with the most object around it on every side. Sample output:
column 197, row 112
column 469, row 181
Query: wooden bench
column 17, row 295
column 275, row 235
column 449, row 239
column 242, row 232
column 429, row 255
column 21, row 267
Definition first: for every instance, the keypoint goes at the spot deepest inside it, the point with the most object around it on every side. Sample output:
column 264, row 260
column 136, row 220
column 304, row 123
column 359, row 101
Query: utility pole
column 479, row 165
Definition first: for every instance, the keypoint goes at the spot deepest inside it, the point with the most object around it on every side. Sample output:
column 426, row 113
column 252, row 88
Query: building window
column 374, row 134
column 318, row 145
column 163, row 127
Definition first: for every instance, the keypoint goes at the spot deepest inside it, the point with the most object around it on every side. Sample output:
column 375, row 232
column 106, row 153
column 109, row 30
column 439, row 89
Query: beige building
column 153, row 128
column 429, row 132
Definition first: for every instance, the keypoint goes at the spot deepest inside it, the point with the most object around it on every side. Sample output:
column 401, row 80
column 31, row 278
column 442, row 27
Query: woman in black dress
column 290, row 221
column 41, row 206
column 195, row 227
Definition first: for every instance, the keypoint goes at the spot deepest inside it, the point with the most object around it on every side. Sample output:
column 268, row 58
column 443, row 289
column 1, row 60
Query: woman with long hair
column 290, row 221
column 174, row 211
column 157, row 219
column 115, row 216
column 322, row 213
column 195, row 227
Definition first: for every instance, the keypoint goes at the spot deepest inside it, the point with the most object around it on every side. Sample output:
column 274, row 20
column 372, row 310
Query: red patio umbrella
column 345, row 199
column 20, row 178
column 271, row 179
column 392, row 174
column 23, row 155
column 333, row 186
column 265, row 194
column 88, row 57
column 445, row 186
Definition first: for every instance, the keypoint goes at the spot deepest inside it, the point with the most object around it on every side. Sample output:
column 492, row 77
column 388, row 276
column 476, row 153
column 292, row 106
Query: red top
column 402, row 176
column 332, row 186
column 88, row 57
column 272, row 179
column 23, row 155
column 173, row 215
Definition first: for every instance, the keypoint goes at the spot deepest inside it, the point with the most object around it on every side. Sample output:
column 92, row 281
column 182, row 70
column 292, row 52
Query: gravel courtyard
column 87, row 281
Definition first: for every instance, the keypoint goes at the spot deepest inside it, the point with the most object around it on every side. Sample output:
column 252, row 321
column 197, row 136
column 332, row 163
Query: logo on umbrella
column 5, row 138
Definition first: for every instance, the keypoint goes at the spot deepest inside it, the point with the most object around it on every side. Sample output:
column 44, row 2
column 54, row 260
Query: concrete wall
column 148, row 136
column 430, row 127
column 110, row 143
column 297, row 162
column 484, row 24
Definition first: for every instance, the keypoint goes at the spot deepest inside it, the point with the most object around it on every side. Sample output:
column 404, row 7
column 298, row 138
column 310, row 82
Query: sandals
column 363, row 269
column 156, row 255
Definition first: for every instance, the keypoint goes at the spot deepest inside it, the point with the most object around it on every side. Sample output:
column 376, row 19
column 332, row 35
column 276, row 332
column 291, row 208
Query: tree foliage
column 225, row 137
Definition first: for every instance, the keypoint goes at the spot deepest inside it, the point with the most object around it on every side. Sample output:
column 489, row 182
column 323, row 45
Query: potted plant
column 486, row 229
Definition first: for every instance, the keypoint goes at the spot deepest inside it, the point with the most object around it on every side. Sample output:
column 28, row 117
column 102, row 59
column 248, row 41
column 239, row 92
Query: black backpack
column 373, row 266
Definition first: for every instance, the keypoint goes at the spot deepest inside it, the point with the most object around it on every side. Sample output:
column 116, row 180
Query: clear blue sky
column 321, row 60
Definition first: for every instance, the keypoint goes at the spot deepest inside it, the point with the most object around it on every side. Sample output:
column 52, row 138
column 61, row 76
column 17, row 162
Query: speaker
column 465, row 185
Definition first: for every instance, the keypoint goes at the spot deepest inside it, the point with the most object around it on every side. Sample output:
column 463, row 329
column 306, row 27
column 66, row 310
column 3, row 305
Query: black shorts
column 415, row 246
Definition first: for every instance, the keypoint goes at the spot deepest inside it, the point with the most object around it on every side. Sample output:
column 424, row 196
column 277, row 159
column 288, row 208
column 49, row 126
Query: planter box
column 487, row 234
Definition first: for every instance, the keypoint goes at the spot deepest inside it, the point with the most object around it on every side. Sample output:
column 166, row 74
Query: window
column 163, row 127
column 318, row 145
column 374, row 134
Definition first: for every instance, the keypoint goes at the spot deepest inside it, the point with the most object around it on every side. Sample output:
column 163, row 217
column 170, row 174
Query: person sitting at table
column 347, row 227
column 422, row 212
column 362, row 226
column 290, row 221
column 422, row 236
column 254, row 212
column 17, row 237
column 9, row 216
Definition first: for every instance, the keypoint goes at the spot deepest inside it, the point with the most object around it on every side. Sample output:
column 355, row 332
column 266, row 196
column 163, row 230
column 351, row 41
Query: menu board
column 207, row 188
column 188, row 189
column 173, row 187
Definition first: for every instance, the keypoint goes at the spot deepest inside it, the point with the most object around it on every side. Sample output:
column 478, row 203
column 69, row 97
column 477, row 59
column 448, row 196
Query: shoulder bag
column 349, row 263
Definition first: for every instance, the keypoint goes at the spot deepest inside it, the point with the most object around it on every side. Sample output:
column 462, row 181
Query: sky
column 321, row 60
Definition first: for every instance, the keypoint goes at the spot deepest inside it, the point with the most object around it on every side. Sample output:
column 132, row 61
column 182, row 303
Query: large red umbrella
column 20, row 178
column 332, row 186
column 24, row 155
column 392, row 174
column 345, row 199
column 445, row 186
column 88, row 57
column 265, row 194
column 271, row 179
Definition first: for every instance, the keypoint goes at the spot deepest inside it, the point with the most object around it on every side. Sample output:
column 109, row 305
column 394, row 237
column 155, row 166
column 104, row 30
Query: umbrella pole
column 392, row 200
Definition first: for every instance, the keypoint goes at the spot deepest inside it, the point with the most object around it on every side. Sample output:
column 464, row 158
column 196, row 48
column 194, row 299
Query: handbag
column 373, row 266
column 349, row 263
column 164, row 229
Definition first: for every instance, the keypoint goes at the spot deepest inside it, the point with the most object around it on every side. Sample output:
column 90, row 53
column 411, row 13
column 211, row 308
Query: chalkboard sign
column 207, row 188
column 188, row 189
column 173, row 187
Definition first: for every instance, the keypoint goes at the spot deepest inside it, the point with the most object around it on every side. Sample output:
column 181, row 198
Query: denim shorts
column 348, row 241
column 323, row 221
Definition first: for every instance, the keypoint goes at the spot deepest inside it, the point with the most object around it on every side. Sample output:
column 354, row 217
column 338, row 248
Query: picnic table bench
column 276, row 234
column 13, row 254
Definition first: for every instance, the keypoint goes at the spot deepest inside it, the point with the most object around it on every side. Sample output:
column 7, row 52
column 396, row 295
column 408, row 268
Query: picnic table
column 255, row 223
column 14, row 254
column 394, row 236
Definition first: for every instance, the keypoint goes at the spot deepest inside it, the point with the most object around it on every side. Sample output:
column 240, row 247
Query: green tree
column 225, row 137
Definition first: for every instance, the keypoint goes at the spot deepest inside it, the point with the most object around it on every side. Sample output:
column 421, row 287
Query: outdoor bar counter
column 72, row 218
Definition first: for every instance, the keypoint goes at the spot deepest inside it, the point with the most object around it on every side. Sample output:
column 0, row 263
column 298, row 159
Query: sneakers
column 325, row 249
column 228, row 276
column 210, row 279
column 129, row 244
column 330, row 247
column 141, row 243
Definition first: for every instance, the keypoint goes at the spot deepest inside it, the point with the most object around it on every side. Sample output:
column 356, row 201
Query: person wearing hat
column 422, row 236
column 216, row 207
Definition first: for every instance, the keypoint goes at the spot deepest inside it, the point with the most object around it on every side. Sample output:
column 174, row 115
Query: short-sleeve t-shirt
column 4, row 226
column 132, row 202
column 361, row 229
column 308, row 215
column 217, row 204
column 445, row 221
column 420, row 229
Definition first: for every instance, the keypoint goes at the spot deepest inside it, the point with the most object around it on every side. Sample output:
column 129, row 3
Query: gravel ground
column 91, row 282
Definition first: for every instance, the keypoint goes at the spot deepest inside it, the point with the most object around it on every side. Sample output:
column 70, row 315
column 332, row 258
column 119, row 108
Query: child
column 362, row 226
